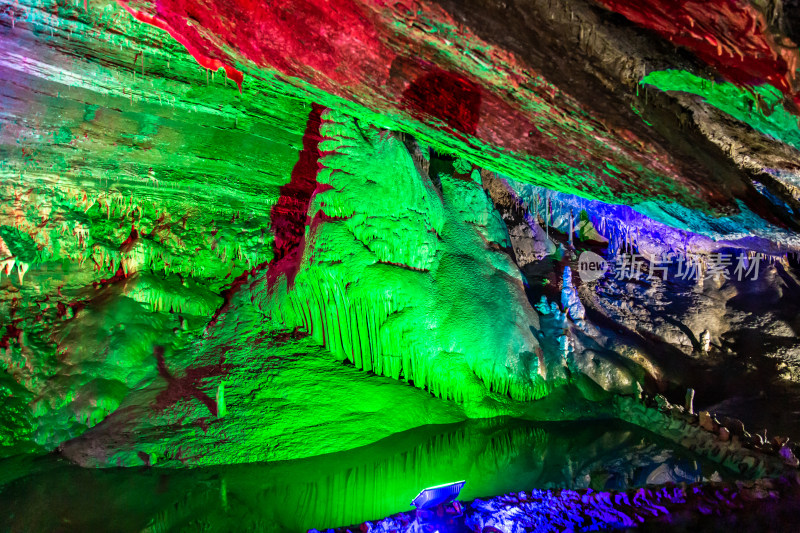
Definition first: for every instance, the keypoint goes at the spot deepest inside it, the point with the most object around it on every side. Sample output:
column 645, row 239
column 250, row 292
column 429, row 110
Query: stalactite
column 357, row 330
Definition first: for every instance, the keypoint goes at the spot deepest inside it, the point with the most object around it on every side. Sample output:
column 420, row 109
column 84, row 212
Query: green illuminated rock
column 407, row 279
column 761, row 107
column 414, row 289
column 138, row 319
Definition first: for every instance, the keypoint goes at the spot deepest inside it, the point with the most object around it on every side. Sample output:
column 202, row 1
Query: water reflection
column 494, row 456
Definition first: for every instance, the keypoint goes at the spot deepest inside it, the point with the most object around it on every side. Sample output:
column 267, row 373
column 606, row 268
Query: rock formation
column 251, row 232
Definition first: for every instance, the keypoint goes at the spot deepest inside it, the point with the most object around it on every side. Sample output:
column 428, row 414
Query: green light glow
column 760, row 106
column 400, row 278
column 494, row 456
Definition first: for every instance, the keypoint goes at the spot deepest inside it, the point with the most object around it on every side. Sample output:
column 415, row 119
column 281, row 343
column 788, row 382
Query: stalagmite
column 571, row 227
column 569, row 298
column 705, row 341
column 364, row 256
column 543, row 306
column 547, row 215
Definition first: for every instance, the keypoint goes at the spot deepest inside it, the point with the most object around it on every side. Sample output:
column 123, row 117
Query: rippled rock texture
column 237, row 232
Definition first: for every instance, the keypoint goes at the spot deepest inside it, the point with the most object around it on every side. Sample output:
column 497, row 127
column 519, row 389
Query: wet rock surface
column 244, row 232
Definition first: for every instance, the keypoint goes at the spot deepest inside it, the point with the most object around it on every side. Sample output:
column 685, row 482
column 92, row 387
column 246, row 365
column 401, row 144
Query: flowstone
column 403, row 274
